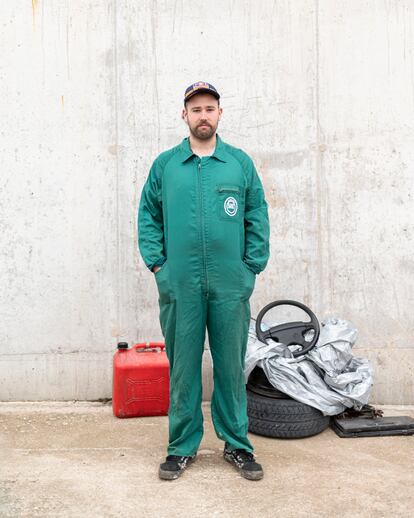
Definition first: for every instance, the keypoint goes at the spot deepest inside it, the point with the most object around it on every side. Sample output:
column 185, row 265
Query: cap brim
column 201, row 91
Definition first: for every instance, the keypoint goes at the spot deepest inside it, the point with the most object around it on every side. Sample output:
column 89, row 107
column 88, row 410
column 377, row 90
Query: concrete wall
column 320, row 93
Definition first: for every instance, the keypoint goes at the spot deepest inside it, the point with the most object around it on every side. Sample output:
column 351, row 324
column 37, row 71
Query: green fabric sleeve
column 256, row 222
column 150, row 220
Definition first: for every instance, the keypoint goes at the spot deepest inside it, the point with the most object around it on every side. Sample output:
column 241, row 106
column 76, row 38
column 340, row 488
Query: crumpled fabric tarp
column 328, row 377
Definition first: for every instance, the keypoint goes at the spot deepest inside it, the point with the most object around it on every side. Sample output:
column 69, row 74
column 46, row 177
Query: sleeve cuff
column 158, row 262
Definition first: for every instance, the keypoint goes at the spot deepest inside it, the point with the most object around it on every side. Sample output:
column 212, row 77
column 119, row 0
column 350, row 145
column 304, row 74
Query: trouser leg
column 183, row 323
column 228, row 324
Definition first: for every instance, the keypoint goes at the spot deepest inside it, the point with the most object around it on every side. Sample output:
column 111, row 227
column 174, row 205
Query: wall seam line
column 118, row 259
column 318, row 165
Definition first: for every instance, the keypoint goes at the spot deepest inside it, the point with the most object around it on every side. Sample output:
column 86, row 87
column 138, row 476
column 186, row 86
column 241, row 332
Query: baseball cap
column 198, row 88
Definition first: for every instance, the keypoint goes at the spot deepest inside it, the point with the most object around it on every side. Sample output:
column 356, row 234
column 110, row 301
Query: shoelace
column 181, row 461
column 175, row 457
column 243, row 456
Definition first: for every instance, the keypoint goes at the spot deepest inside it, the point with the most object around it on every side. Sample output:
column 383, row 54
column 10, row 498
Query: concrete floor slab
column 76, row 459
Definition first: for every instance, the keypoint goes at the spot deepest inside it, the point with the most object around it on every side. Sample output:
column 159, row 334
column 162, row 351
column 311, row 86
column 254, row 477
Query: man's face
column 202, row 114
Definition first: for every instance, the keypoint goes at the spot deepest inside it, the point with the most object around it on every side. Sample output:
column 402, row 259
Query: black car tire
column 283, row 418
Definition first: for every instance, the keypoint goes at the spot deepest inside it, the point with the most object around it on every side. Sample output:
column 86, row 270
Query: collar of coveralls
column 219, row 151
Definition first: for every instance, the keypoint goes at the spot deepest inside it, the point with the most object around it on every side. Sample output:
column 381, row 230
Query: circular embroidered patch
column 230, row 206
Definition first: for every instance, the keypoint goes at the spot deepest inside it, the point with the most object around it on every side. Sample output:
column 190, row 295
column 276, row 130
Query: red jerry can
column 141, row 380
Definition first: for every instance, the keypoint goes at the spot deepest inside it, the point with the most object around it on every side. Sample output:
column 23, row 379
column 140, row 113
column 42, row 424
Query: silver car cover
column 328, row 377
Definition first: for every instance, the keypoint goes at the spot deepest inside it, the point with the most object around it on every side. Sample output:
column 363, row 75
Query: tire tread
column 285, row 418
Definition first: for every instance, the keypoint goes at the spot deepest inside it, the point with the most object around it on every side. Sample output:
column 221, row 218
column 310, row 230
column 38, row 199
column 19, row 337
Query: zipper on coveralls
column 203, row 238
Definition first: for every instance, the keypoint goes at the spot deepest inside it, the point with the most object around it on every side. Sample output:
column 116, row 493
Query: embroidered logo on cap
column 201, row 84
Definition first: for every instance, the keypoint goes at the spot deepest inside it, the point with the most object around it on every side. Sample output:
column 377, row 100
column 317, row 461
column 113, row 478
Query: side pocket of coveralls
column 230, row 203
column 162, row 279
column 249, row 280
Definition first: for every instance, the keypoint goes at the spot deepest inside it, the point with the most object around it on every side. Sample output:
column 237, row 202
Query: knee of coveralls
column 228, row 324
column 183, row 321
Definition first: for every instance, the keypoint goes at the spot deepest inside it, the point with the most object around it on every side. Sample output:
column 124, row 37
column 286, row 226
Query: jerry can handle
column 150, row 345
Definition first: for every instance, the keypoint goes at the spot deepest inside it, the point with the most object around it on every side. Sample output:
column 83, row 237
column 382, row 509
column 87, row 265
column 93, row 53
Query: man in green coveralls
column 203, row 231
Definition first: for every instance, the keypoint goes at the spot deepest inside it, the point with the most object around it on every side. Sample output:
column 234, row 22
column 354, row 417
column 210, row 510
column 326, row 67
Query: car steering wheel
column 289, row 333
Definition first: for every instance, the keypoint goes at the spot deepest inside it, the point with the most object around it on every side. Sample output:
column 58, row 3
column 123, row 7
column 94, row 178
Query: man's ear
column 184, row 115
column 220, row 112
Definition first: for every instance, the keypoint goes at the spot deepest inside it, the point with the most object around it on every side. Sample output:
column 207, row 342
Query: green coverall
column 205, row 221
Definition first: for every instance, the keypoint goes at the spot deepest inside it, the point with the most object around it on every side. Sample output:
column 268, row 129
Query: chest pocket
column 230, row 203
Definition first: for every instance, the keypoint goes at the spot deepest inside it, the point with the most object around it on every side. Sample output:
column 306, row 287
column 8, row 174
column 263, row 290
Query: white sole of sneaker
column 249, row 475
column 173, row 475
column 169, row 475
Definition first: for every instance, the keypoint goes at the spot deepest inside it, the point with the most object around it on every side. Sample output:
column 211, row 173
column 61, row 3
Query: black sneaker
column 245, row 463
column 173, row 466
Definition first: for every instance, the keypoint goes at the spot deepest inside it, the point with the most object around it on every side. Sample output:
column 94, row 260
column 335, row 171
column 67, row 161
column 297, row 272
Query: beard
column 204, row 133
